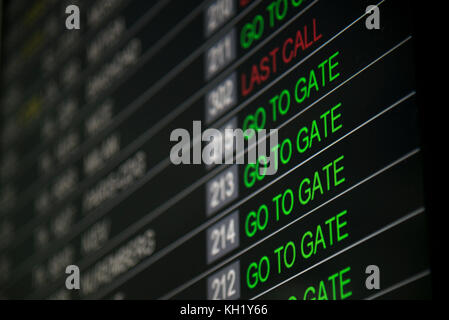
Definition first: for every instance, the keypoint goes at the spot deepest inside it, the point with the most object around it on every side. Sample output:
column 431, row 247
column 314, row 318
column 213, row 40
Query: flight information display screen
column 217, row 149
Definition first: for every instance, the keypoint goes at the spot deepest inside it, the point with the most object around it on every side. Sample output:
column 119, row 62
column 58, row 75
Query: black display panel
column 111, row 111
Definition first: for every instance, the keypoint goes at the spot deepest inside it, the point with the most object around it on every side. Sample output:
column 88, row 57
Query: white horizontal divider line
column 355, row 244
column 400, row 284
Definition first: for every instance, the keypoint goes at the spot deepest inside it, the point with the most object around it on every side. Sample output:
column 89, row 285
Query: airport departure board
column 121, row 159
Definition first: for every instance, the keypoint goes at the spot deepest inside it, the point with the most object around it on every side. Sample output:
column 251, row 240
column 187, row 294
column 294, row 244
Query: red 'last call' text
column 290, row 50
